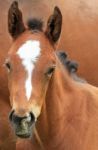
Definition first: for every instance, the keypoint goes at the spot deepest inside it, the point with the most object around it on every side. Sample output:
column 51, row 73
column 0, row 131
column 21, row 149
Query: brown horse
column 80, row 20
column 47, row 104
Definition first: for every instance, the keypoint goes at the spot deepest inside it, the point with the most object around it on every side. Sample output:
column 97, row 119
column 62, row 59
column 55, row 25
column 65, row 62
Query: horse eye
column 8, row 65
column 50, row 71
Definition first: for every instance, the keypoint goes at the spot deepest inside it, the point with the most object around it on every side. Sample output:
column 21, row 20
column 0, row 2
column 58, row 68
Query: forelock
column 35, row 24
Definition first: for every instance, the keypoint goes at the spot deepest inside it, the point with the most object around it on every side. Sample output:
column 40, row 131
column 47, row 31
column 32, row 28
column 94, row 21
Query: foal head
column 30, row 64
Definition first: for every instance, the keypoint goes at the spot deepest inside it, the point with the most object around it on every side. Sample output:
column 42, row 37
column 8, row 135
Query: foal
column 57, row 112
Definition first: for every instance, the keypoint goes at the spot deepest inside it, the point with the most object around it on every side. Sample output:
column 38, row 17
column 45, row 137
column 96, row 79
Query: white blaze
column 29, row 52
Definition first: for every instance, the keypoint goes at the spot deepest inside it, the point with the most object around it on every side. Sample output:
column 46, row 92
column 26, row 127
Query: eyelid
column 50, row 70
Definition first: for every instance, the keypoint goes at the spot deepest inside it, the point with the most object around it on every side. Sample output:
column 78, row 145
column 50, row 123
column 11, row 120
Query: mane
column 35, row 24
column 71, row 66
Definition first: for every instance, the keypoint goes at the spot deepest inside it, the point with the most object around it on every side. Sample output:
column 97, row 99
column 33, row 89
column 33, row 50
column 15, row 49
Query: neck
column 51, row 122
column 64, row 121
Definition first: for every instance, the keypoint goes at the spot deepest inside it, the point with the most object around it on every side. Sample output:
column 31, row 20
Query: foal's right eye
column 8, row 66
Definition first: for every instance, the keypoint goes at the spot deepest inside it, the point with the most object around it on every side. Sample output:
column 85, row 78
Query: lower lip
column 23, row 135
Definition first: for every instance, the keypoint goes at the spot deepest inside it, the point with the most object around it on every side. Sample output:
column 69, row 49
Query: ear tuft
column 15, row 21
column 54, row 25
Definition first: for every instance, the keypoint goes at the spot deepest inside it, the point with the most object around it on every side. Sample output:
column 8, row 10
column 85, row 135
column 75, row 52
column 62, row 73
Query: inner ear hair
column 15, row 21
column 54, row 25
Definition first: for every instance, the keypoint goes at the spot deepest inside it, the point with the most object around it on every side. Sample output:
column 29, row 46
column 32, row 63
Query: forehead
column 29, row 50
column 30, row 46
column 31, row 39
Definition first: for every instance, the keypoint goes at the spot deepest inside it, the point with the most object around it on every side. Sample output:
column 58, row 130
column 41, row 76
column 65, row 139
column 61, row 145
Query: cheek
column 45, row 84
column 39, row 85
column 9, row 83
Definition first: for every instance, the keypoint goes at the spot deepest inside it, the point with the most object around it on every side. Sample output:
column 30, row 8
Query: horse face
column 30, row 64
column 29, row 71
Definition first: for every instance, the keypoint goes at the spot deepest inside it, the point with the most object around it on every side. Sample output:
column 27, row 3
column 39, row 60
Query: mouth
column 27, row 135
column 22, row 132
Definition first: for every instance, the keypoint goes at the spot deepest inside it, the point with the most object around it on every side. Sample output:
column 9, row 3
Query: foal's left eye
column 50, row 71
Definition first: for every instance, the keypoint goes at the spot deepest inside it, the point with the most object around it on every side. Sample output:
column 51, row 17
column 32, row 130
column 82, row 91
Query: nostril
column 18, row 120
column 32, row 117
column 11, row 115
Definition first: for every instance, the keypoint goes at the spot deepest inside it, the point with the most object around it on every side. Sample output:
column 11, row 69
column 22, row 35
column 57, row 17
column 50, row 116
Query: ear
column 54, row 25
column 15, row 21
